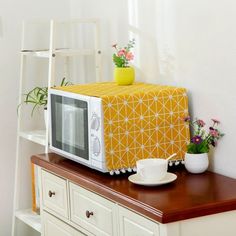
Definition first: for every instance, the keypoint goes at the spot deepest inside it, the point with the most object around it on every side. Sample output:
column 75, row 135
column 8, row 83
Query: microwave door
column 69, row 126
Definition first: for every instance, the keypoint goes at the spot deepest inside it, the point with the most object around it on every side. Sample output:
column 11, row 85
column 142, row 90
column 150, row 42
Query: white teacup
column 152, row 169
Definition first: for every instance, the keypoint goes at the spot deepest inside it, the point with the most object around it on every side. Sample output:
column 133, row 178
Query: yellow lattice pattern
column 140, row 121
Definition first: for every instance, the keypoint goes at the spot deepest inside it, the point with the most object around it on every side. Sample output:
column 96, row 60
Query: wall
column 184, row 43
column 111, row 23
column 205, row 56
column 13, row 12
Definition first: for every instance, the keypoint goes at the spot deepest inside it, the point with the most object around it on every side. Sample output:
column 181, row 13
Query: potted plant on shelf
column 196, row 158
column 124, row 74
column 38, row 97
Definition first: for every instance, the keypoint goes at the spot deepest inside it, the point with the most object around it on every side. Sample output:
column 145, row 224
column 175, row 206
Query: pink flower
column 201, row 123
column 214, row 133
column 129, row 56
column 216, row 121
column 196, row 139
column 121, row 53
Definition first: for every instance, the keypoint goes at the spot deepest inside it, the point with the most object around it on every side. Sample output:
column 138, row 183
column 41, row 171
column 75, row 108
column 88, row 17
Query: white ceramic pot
column 196, row 163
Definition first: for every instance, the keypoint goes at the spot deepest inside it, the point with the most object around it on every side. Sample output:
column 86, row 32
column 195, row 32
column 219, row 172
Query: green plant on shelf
column 38, row 96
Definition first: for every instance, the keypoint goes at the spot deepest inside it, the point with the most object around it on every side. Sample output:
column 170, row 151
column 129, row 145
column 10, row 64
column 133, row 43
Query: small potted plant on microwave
column 196, row 158
column 124, row 74
column 38, row 97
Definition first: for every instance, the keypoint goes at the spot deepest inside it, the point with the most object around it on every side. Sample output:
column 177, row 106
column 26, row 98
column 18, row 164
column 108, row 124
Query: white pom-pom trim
column 117, row 172
column 129, row 169
column 134, row 169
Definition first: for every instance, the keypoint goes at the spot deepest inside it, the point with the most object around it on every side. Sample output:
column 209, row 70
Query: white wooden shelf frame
column 41, row 137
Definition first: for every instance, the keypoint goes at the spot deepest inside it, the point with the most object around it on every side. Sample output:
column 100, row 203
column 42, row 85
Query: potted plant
column 38, row 97
column 124, row 74
column 196, row 158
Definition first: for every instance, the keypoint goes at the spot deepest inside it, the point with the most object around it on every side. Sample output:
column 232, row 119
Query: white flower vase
column 196, row 163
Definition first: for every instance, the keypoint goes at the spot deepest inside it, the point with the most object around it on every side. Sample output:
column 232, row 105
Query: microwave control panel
column 96, row 133
column 95, row 122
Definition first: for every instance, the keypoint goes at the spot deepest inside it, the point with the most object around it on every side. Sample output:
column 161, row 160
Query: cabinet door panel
column 132, row 224
column 54, row 227
column 92, row 212
column 54, row 193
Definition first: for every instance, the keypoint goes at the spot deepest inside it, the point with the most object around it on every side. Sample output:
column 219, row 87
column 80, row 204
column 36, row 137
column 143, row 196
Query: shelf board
column 36, row 53
column 30, row 218
column 59, row 52
column 36, row 136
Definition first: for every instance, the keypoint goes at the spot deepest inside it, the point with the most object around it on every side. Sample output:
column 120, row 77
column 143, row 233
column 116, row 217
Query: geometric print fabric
column 140, row 121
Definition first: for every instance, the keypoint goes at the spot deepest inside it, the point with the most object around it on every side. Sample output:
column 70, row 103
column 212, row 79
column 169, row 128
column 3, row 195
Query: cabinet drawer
column 132, row 224
column 92, row 212
column 54, row 194
column 55, row 227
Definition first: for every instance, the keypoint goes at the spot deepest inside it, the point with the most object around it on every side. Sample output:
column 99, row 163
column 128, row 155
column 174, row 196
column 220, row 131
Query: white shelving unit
column 36, row 136
column 33, row 140
column 29, row 218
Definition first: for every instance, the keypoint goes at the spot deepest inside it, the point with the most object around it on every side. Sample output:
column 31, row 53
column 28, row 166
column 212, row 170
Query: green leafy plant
column 38, row 96
column 123, row 56
column 202, row 140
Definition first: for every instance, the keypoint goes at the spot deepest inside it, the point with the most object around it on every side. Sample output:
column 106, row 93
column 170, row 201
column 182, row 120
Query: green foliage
column 38, row 96
column 65, row 83
column 119, row 61
column 198, row 148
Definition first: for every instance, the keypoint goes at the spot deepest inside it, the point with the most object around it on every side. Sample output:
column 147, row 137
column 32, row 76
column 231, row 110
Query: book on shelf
column 35, row 189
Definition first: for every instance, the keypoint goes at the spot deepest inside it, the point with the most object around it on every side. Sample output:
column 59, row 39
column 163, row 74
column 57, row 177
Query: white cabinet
column 132, row 224
column 54, row 227
column 76, row 211
column 87, row 212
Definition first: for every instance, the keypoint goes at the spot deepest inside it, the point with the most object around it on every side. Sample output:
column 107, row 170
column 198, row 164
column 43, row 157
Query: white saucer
column 136, row 179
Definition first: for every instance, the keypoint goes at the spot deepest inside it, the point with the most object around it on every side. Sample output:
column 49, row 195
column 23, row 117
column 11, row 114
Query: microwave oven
column 77, row 128
column 109, row 127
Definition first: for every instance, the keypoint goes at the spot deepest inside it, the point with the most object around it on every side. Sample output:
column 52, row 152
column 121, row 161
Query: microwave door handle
column 71, row 127
column 67, row 119
column 63, row 126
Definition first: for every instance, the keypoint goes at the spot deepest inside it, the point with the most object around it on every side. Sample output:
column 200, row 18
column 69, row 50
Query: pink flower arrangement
column 202, row 139
column 123, row 56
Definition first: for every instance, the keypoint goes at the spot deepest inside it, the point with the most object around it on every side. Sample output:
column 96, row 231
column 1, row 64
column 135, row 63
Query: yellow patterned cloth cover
column 140, row 121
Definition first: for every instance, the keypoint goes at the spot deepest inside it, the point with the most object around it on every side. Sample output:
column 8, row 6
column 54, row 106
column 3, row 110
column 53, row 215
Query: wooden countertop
column 189, row 196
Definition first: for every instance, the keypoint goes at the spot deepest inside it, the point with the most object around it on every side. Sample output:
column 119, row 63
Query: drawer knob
column 50, row 193
column 89, row 213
